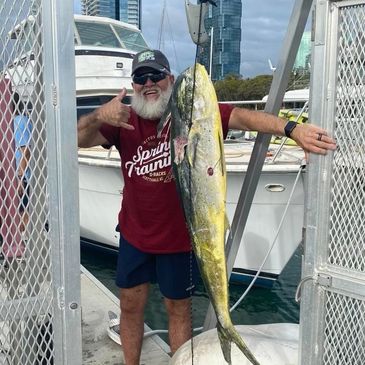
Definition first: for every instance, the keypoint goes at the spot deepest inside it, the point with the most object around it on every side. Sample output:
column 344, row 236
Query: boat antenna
column 160, row 31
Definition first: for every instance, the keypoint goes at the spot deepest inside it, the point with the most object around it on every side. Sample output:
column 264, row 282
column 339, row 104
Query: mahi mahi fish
column 199, row 170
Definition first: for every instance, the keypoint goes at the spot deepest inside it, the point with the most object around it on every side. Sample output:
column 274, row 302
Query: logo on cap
column 148, row 55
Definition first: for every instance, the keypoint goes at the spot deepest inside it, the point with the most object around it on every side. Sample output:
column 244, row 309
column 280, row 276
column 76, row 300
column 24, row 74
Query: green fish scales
column 199, row 169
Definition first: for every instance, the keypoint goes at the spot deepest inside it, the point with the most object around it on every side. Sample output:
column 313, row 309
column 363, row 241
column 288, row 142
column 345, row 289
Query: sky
column 264, row 25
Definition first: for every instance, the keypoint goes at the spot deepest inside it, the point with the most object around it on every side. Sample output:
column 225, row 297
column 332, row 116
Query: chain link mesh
column 344, row 331
column 347, row 231
column 26, row 335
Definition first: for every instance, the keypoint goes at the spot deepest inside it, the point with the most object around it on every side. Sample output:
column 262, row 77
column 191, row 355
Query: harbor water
column 261, row 305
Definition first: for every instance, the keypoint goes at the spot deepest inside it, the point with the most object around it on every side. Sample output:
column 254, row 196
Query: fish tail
column 226, row 337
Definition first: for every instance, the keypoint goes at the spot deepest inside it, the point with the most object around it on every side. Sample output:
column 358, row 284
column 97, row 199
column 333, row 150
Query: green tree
column 227, row 89
column 234, row 88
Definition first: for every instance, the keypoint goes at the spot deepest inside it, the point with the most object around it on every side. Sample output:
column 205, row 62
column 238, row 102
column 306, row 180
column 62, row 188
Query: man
column 22, row 136
column 154, row 243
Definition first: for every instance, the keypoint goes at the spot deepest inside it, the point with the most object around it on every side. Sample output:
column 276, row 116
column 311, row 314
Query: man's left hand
column 313, row 139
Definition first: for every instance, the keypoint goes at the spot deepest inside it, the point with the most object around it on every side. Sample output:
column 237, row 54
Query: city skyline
column 264, row 25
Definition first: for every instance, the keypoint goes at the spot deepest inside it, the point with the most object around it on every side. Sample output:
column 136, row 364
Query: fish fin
column 179, row 145
column 228, row 335
column 193, row 148
column 225, row 344
column 222, row 159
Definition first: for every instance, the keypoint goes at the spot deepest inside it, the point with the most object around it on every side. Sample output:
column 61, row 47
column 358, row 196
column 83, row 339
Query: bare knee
column 133, row 300
column 178, row 307
column 179, row 322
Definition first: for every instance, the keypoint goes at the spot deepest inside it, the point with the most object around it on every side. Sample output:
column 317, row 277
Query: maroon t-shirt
column 151, row 217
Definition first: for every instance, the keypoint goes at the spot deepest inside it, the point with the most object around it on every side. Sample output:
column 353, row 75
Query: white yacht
column 104, row 49
column 101, row 191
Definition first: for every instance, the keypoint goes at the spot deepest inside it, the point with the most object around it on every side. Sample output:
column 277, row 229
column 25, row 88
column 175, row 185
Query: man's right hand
column 115, row 112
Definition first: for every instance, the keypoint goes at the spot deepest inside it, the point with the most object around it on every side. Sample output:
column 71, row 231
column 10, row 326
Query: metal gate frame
column 332, row 314
column 60, row 101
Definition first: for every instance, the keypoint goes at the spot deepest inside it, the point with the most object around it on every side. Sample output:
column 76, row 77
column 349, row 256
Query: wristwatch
column 289, row 127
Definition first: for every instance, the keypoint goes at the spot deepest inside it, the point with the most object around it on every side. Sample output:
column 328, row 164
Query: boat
column 104, row 49
column 101, row 188
column 101, row 192
column 274, row 344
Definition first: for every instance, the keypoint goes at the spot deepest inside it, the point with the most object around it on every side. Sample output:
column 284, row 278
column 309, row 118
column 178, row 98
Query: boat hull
column 101, row 184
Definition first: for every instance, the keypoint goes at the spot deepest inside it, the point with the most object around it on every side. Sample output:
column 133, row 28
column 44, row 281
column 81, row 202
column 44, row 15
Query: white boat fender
column 113, row 327
column 272, row 344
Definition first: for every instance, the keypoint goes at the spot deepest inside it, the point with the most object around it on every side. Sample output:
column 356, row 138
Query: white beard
column 151, row 109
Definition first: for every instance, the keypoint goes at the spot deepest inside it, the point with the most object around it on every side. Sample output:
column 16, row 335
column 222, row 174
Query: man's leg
column 178, row 311
column 135, row 270
column 132, row 304
column 177, row 275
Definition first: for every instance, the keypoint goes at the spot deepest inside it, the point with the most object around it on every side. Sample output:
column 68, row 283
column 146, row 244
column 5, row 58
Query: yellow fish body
column 199, row 169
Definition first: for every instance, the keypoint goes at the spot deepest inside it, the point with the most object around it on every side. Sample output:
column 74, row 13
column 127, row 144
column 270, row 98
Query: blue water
column 261, row 305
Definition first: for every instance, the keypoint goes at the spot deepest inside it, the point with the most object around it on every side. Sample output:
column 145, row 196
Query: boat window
column 132, row 40
column 94, row 34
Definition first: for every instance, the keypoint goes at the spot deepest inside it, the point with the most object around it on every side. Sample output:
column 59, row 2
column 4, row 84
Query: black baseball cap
column 151, row 58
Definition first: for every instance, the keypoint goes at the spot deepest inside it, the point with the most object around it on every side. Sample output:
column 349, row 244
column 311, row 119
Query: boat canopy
column 106, row 32
column 90, row 31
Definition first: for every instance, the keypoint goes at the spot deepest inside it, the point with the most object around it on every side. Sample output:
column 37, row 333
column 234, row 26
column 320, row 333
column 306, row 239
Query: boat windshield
column 108, row 35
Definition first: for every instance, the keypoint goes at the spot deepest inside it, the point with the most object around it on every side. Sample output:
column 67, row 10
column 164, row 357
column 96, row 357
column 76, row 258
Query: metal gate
column 39, row 220
column 333, row 301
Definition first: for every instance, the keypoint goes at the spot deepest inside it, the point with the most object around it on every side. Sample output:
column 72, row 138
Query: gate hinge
column 61, row 297
column 54, row 95
column 324, row 280
column 321, row 279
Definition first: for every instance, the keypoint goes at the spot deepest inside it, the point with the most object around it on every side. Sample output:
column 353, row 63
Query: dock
column 97, row 347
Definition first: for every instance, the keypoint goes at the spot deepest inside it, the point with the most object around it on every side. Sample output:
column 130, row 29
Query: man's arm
column 310, row 137
column 24, row 160
column 88, row 134
column 114, row 113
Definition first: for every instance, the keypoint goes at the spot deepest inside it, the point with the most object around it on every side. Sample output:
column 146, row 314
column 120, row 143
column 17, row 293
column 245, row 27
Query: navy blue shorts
column 170, row 271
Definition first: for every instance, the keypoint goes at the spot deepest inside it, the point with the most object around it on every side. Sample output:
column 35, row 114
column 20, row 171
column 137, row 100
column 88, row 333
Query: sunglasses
column 154, row 77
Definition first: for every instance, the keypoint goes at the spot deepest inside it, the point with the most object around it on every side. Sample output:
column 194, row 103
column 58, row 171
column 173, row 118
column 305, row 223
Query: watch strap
column 289, row 127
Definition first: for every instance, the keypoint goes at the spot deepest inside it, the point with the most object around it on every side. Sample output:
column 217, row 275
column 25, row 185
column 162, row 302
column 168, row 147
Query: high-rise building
column 223, row 22
column 302, row 59
column 128, row 11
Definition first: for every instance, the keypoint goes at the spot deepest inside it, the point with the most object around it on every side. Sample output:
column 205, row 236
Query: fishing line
column 190, row 124
column 274, row 240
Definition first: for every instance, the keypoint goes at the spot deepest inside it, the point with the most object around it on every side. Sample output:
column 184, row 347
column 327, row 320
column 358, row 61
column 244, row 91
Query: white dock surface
column 97, row 347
